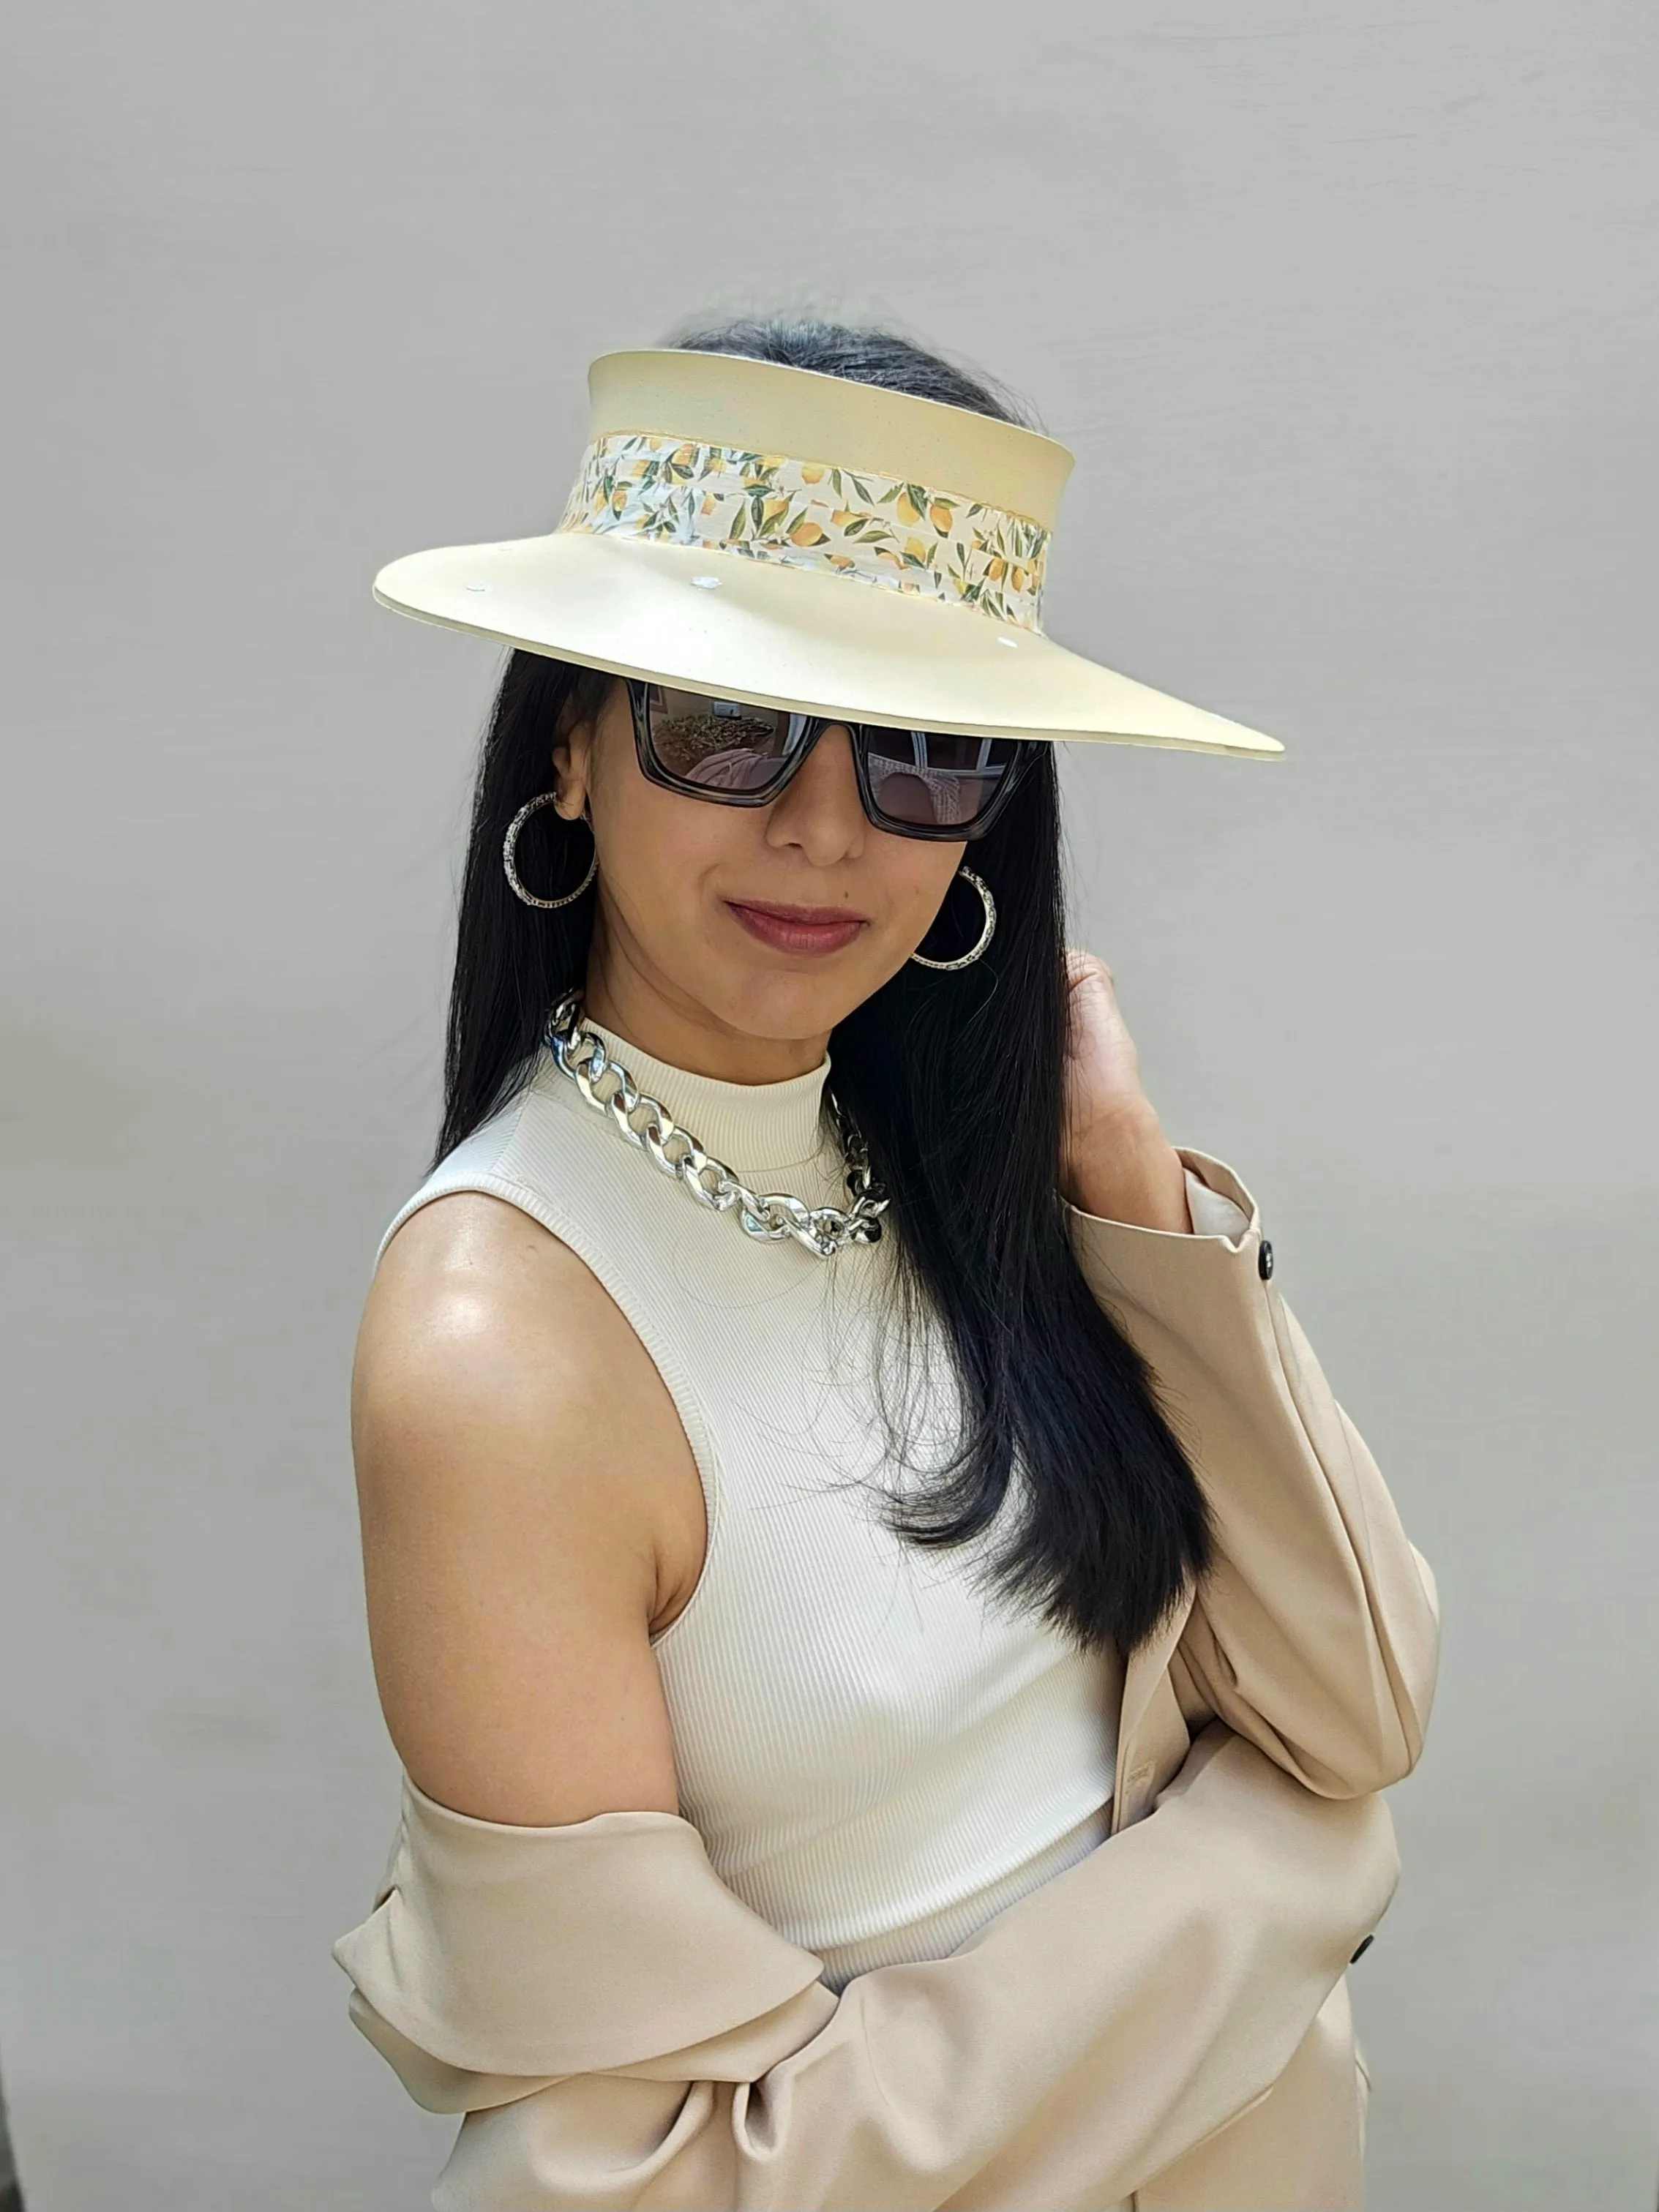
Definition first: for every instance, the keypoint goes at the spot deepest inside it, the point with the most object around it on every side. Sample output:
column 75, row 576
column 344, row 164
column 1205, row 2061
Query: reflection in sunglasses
column 745, row 770
column 912, row 793
column 688, row 737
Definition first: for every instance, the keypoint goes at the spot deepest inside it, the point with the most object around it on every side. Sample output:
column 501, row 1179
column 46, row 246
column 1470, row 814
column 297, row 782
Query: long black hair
column 956, row 1082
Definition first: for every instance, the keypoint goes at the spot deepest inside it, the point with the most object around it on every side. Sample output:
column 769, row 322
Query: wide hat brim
column 795, row 635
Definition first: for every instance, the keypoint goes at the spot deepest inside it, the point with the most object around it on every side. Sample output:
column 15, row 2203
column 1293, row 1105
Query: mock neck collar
column 747, row 1126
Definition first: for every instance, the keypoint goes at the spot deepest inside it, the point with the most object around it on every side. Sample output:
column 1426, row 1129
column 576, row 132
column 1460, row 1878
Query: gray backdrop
column 1348, row 311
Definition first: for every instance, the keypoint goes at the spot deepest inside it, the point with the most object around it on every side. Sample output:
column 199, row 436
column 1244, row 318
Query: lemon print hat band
column 797, row 540
column 813, row 515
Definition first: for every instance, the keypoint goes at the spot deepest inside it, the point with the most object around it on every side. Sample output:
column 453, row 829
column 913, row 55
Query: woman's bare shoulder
column 470, row 1285
column 523, row 1480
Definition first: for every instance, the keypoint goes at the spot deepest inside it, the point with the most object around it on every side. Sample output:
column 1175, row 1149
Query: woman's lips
column 798, row 928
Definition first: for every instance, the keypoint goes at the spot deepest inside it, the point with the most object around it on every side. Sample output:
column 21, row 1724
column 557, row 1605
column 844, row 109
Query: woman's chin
column 780, row 1008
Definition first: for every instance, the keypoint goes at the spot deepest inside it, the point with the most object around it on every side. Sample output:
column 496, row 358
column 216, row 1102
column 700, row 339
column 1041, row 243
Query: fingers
column 1080, row 964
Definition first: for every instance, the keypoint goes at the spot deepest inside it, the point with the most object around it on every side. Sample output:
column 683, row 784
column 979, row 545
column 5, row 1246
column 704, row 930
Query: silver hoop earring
column 985, row 935
column 509, row 862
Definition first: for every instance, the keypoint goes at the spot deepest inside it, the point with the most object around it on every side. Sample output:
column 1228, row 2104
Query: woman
column 892, row 1643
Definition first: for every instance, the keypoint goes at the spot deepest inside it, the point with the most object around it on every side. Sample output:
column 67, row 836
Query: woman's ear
column 576, row 741
column 573, row 758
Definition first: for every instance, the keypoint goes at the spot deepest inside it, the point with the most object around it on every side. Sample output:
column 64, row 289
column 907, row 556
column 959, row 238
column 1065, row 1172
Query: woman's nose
column 821, row 811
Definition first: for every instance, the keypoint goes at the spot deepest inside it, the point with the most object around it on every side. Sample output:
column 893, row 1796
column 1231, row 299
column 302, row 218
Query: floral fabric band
column 811, row 514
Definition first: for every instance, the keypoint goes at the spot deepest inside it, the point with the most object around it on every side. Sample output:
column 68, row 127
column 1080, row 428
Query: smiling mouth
column 798, row 928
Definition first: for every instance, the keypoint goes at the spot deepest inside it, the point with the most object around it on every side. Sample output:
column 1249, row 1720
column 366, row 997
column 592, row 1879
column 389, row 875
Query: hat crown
column 730, row 401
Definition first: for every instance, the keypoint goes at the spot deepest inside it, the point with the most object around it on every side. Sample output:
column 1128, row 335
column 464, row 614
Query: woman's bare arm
column 527, row 1496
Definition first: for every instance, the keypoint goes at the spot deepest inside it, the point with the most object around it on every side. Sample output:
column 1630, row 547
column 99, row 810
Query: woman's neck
column 665, row 1022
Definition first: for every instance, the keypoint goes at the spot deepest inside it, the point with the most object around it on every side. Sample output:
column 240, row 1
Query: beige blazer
column 1165, row 2026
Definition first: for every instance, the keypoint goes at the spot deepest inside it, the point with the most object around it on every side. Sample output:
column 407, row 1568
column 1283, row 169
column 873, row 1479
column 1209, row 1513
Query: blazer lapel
column 1148, row 1667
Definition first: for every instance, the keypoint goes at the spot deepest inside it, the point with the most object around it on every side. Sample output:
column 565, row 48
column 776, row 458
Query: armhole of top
column 454, row 1176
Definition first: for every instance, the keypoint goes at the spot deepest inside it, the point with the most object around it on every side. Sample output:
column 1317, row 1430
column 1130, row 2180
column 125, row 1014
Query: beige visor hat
column 791, row 539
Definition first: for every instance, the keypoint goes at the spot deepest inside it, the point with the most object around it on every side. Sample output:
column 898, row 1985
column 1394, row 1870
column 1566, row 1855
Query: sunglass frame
column 860, row 733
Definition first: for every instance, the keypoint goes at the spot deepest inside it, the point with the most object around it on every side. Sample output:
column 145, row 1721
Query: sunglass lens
column 936, row 782
column 717, row 745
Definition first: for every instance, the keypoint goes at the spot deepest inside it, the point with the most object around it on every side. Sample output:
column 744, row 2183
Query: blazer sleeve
column 1316, row 1636
column 623, row 2035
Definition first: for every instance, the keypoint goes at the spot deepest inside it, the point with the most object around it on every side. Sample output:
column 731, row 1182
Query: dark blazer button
column 1361, row 1952
column 1264, row 1260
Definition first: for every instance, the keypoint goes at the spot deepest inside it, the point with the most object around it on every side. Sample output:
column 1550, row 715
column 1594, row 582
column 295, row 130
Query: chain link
column 646, row 1122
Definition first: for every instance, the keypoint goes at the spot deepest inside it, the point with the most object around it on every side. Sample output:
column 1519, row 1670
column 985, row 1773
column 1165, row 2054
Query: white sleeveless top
column 879, row 1752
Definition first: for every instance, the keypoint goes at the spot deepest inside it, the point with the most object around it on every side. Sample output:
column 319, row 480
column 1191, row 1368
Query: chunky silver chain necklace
column 606, row 1086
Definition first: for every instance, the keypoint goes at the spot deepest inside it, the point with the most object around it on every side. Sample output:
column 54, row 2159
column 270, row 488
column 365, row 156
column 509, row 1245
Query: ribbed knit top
column 879, row 1752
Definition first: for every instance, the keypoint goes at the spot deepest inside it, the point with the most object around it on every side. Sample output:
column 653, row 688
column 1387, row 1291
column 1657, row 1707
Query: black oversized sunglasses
column 914, row 783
